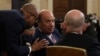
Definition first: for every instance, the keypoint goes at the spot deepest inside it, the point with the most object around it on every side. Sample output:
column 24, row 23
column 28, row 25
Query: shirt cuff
column 30, row 49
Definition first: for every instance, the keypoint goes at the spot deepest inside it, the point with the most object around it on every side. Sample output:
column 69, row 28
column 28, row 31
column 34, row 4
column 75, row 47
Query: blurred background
column 59, row 7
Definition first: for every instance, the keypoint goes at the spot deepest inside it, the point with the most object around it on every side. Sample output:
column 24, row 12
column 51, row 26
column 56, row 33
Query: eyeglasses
column 32, row 14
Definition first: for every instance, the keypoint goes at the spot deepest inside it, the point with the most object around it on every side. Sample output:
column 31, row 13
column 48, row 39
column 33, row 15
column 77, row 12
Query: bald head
column 45, row 13
column 46, row 21
column 74, row 18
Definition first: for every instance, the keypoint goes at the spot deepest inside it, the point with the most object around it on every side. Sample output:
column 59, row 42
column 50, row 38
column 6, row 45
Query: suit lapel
column 44, row 36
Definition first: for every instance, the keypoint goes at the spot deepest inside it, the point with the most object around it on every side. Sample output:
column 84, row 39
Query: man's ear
column 84, row 27
column 63, row 26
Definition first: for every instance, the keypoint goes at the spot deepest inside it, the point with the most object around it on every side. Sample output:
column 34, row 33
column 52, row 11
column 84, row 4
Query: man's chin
column 49, row 33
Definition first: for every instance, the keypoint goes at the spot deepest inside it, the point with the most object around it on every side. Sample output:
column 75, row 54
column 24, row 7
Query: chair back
column 65, row 51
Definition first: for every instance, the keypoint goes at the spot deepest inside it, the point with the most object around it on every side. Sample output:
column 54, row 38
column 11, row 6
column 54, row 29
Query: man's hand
column 37, row 45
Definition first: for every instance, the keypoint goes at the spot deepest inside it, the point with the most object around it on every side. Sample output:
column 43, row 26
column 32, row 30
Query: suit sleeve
column 13, row 29
column 94, row 49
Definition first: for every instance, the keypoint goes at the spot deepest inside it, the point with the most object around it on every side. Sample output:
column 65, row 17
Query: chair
column 65, row 51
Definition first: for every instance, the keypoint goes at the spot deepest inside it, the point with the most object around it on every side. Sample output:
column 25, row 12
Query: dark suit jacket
column 82, row 41
column 13, row 25
column 42, row 35
column 91, row 31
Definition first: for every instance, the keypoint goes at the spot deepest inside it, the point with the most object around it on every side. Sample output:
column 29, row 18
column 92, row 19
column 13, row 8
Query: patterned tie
column 53, row 39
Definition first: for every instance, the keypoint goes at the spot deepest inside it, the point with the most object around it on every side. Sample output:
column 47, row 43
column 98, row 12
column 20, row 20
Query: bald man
column 73, row 30
column 46, row 30
column 12, row 25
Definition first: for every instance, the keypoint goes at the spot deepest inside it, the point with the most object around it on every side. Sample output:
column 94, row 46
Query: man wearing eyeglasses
column 12, row 25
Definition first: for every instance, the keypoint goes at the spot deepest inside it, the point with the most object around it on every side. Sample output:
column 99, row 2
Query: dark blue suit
column 76, row 40
column 41, row 35
column 13, row 24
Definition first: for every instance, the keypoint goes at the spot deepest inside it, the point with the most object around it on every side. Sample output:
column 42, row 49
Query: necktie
column 53, row 39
